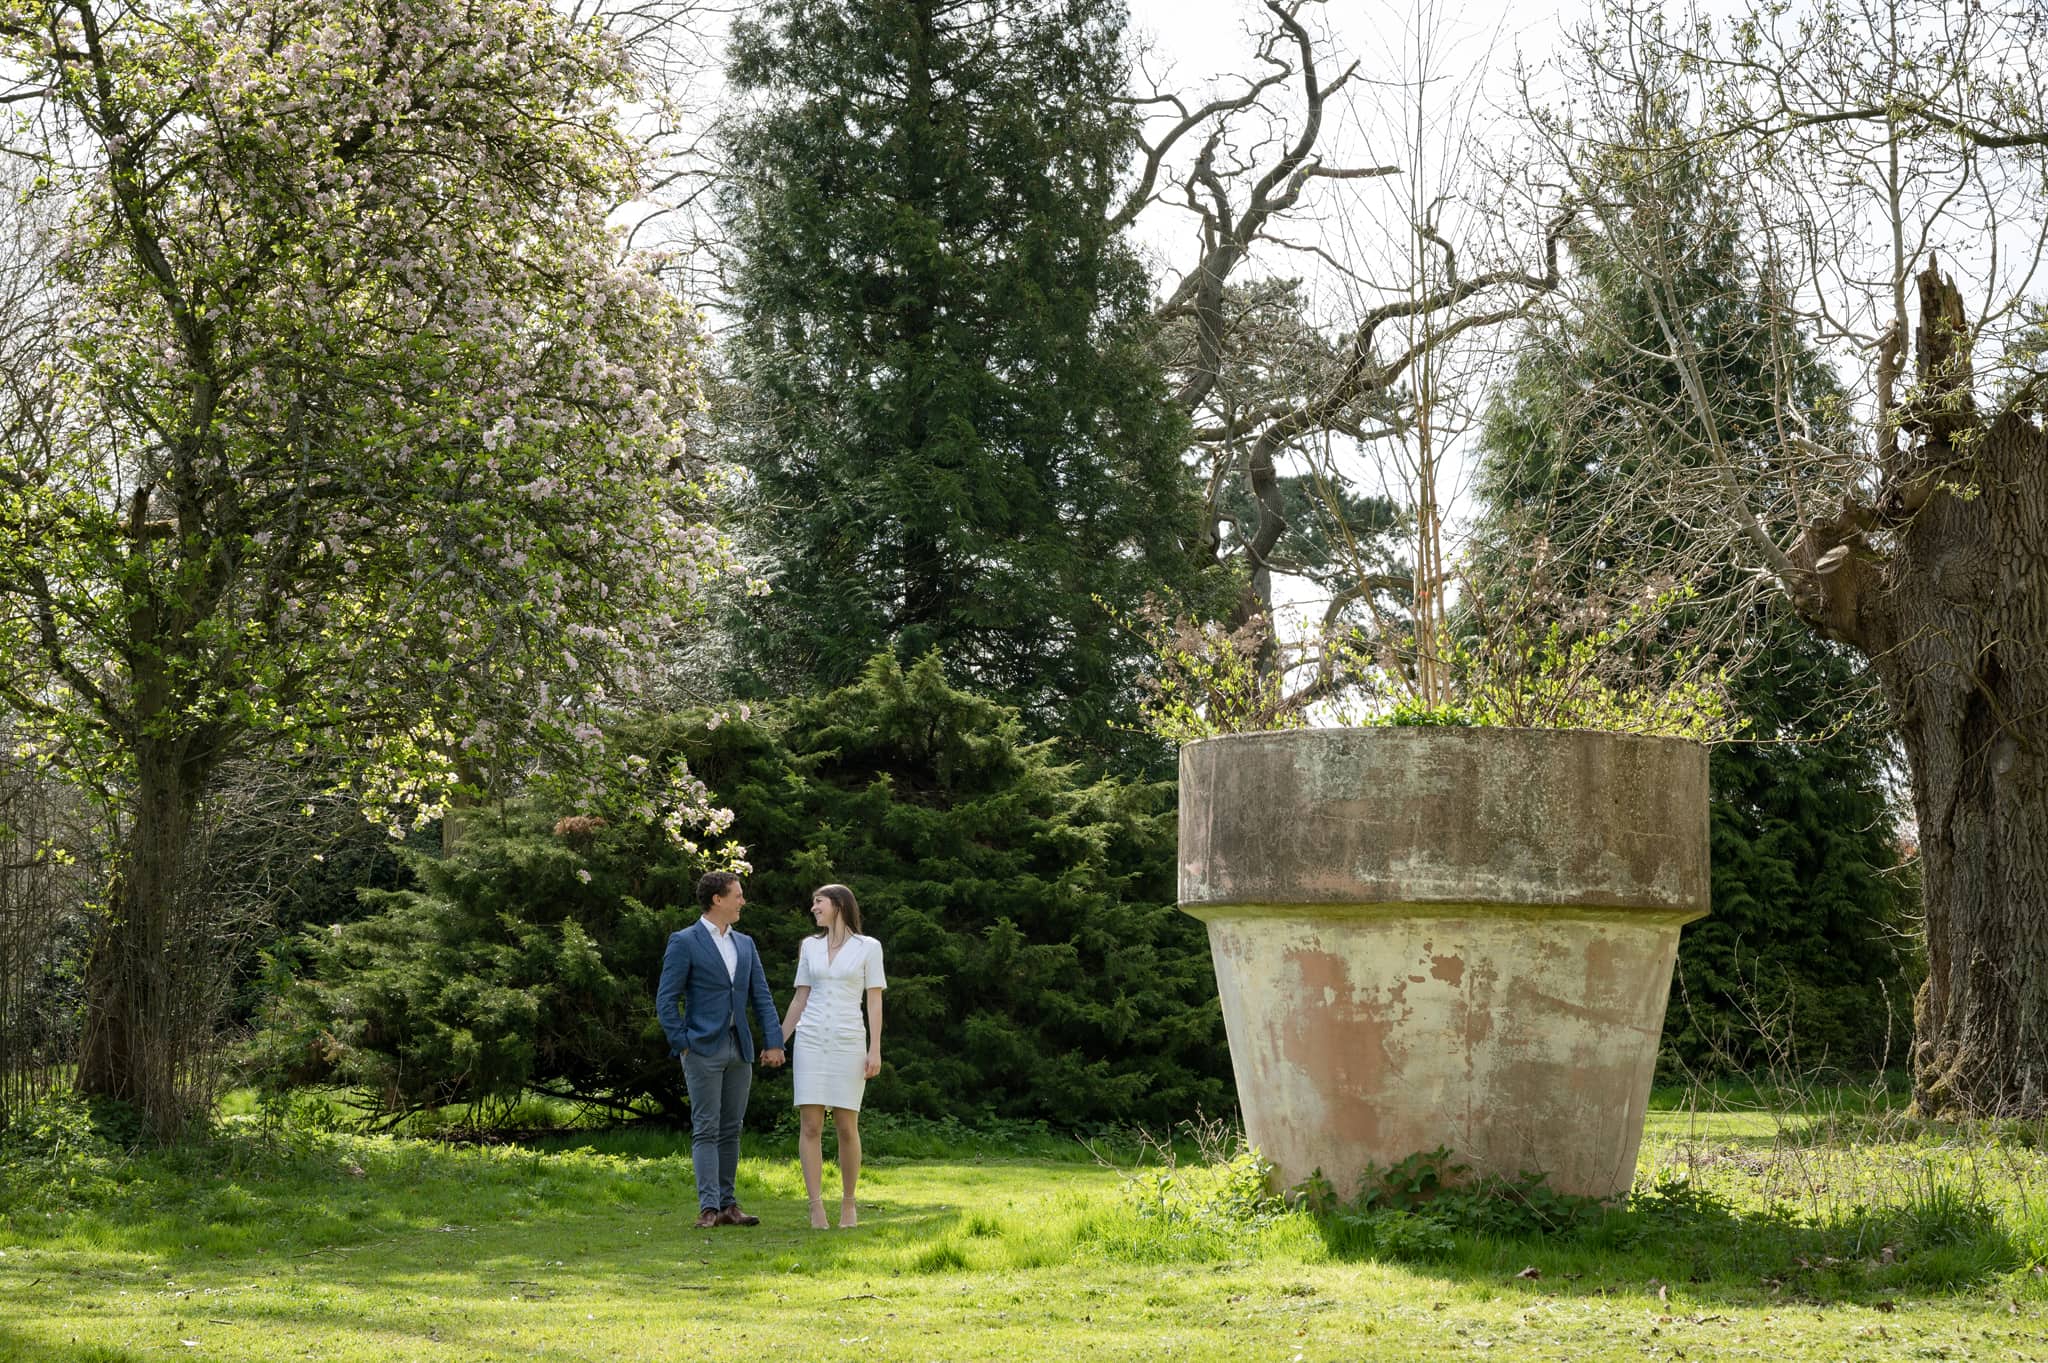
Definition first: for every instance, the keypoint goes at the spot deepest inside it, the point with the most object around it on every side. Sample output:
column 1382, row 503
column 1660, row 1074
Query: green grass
column 1775, row 1239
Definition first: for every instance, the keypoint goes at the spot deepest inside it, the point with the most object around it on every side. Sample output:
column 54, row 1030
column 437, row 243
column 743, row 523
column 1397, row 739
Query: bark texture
column 1942, row 582
column 149, row 996
column 153, row 979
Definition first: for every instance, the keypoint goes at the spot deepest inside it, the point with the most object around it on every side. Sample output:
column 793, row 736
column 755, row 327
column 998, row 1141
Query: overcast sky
column 1207, row 34
column 1468, row 52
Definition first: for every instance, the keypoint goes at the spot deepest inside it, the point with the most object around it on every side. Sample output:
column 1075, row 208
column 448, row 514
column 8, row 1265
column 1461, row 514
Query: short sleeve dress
column 831, row 1045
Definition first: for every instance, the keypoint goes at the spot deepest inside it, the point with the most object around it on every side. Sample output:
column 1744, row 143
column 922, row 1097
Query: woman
column 836, row 971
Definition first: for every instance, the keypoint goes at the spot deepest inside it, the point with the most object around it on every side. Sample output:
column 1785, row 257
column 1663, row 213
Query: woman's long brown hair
column 842, row 900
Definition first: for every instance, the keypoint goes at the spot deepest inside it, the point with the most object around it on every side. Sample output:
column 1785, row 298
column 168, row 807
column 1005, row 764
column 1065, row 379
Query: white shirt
column 723, row 938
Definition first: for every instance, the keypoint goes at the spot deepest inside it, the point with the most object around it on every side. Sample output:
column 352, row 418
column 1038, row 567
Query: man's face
column 725, row 908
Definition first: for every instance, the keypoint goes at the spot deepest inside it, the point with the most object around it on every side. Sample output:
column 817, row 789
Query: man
column 715, row 975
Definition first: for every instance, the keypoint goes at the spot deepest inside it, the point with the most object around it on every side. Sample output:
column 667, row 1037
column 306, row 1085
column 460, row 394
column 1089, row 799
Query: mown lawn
column 1781, row 1239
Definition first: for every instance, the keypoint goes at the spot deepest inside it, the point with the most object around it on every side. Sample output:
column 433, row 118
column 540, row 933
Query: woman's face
column 824, row 912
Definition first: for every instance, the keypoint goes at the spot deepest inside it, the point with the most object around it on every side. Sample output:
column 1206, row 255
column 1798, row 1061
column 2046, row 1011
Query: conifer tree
column 1038, row 969
column 956, row 429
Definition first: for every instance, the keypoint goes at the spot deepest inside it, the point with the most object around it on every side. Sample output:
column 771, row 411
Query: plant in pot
column 1449, row 918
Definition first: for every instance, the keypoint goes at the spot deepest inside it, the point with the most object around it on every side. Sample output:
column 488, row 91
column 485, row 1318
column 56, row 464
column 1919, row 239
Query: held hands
column 874, row 1065
column 773, row 1058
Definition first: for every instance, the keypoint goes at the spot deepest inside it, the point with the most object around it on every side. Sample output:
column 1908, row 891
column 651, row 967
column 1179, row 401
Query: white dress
column 830, row 1056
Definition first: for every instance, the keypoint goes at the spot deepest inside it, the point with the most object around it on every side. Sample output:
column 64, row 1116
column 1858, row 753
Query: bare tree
column 676, row 48
column 1885, row 151
column 1277, row 398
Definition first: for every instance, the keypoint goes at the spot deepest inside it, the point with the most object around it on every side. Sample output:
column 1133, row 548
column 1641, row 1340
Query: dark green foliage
column 1414, row 1208
column 298, row 859
column 323, row 887
column 1335, row 535
column 1936, row 1238
column 1037, row 967
column 956, row 428
column 1800, row 961
column 504, row 971
column 1806, row 958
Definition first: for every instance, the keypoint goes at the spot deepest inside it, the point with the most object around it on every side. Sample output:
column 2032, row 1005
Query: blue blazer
column 693, row 975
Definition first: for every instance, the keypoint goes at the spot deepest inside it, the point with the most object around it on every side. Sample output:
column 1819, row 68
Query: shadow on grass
column 398, row 1238
column 18, row 1348
column 1892, row 1129
column 1939, row 1241
column 473, row 1287
column 517, row 1225
column 331, row 1198
column 884, row 1137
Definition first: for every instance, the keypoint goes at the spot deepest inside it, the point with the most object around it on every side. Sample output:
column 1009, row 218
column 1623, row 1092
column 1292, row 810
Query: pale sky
column 1468, row 50
column 1468, row 53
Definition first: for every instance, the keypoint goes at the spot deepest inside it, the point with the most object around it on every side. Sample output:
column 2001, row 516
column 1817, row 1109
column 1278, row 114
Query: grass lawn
column 1863, row 1240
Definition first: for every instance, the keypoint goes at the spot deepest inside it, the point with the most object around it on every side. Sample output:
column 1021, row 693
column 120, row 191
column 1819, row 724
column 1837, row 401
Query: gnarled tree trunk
column 1943, row 585
column 1965, row 681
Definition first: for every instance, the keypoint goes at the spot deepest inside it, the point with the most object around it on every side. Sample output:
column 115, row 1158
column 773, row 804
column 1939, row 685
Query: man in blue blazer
column 710, row 976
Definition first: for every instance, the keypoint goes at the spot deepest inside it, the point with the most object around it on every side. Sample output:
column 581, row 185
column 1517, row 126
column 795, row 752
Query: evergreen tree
column 958, row 432
column 1800, row 957
column 1038, row 968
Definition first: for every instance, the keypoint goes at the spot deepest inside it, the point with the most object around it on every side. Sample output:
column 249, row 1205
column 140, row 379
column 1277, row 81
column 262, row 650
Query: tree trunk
column 147, row 1014
column 1969, row 604
column 1981, row 1021
column 1943, row 585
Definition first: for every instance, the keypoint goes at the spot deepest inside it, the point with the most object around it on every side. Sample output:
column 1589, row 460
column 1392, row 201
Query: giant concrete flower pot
column 1445, row 937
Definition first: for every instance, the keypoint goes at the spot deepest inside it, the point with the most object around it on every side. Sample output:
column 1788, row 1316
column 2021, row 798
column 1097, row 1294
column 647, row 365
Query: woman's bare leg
column 810, row 1149
column 848, row 1123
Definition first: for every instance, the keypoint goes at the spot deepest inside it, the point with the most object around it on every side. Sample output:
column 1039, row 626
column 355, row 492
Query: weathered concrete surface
column 1457, row 937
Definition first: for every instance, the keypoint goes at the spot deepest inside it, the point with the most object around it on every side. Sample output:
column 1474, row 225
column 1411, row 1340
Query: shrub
column 1037, row 967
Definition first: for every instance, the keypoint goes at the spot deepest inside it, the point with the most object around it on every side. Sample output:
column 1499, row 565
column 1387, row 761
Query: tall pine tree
column 957, row 434
column 1801, row 958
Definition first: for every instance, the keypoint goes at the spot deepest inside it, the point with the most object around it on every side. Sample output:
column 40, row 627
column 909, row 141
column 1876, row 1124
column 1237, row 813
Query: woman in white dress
column 837, row 972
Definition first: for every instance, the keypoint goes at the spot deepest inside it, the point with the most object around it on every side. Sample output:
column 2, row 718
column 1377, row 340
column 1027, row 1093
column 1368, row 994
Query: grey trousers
column 719, row 1082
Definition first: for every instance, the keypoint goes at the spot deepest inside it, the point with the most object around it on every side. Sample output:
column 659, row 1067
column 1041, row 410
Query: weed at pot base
column 1418, row 1209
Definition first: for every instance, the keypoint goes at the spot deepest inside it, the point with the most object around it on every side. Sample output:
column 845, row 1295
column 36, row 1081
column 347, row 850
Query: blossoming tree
column 353, row 430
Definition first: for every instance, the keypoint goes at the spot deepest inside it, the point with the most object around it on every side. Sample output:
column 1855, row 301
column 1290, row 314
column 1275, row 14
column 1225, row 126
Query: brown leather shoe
column 710, row 1220
column 733, row 1216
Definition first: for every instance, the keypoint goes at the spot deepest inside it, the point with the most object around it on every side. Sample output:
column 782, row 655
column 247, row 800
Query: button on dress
column 831, row 1047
